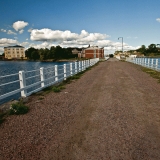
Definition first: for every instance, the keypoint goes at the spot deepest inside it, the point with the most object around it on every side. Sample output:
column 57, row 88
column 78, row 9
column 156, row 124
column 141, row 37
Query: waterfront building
column 77, row 52
column 14, row 52
column 93, row 52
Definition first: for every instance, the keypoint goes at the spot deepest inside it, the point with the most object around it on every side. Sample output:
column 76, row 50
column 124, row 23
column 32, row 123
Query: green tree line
column 152, row 50
column 54, row 53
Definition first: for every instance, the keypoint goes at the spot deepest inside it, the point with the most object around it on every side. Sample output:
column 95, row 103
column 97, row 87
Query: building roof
column 16, row 46
column 93, row 47
column 75, row 51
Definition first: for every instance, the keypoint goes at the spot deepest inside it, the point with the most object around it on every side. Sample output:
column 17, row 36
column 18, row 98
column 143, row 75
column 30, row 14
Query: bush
column 18, row 108
column 56, row 89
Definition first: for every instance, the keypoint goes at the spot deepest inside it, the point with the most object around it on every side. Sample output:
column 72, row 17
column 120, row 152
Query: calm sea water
column 12, row 67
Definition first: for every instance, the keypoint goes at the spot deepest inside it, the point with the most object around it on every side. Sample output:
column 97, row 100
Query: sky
column 79, row 23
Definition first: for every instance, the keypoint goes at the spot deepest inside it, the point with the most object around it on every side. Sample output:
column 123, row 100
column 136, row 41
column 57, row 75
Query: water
column 12, row 67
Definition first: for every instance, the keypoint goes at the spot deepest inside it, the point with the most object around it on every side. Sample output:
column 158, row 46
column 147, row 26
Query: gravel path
column 111, row 113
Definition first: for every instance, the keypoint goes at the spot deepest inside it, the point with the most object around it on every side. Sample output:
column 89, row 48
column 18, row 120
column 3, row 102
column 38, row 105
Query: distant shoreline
column 61, row 60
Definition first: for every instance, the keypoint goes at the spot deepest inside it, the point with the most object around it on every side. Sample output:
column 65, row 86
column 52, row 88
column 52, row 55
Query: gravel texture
column 112, row 112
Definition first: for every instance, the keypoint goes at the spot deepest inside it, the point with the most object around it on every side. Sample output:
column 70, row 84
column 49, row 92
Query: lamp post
column 122, row 43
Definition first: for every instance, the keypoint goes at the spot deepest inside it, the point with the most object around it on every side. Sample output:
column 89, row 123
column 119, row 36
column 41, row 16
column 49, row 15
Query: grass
column 16, row 108
column 40, row 98
column 122, row 60
column 153, row 73
column 58, row 88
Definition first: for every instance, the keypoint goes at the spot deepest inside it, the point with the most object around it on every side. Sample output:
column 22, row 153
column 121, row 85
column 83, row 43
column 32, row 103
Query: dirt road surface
column 111, row 113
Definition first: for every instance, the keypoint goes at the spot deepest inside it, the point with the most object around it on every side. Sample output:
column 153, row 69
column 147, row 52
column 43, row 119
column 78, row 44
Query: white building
column 14, row 52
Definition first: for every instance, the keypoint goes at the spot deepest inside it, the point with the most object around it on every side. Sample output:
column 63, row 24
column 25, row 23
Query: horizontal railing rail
column 36, row 80
column 152, row 63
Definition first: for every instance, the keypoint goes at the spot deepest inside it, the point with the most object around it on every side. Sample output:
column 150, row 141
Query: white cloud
column 24, row 43
column 26, row 39
column 11, row 32
column 42, row 45
column 19, row 25
column 103, row 43
column 21, row 31
column 67, row 38
column 30, row 30
column 158, row 19
column 52, row 35
column 3, row 30
column 5, row 42
column 84, row 33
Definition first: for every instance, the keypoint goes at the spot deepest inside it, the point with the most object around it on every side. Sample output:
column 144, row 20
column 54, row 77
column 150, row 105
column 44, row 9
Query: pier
column 112, row 112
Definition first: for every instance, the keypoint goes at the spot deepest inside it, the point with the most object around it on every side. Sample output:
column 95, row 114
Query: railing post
column 156, row 63
column 71, row 69
column 145, row 62
column 90, row 62
column 56, row 72
column 79, row 69
column 64, row 67
column 136, row 61
column 82, row 65
column 22, row 83
column 75, row 67
column 42, row 76
column 140, row 61
column 148, row 62
column 152, row 64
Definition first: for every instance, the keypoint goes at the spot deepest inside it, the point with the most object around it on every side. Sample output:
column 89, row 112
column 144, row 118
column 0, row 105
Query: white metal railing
column 152, row 63
column 36, row 80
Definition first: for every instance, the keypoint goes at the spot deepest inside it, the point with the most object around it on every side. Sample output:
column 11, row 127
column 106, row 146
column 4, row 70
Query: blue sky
column 78, row 23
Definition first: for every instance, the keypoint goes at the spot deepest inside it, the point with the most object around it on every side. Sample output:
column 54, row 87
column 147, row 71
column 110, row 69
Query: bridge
column 111, row 112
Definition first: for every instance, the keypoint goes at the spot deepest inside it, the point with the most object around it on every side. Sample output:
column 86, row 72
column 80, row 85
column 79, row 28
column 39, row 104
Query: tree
column 152, row 48
column 142, row 49
column 35, row 55
column 58, row 52
column 52, row 52
column 29, row 51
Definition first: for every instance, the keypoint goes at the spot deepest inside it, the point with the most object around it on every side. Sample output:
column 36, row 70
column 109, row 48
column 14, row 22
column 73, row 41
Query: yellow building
column 14, row 52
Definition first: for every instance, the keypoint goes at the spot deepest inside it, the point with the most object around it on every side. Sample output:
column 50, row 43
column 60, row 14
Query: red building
column 93, row 52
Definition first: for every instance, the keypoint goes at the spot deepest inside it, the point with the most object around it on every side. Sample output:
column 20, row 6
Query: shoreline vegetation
column 47, row 60
column 153, row 73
